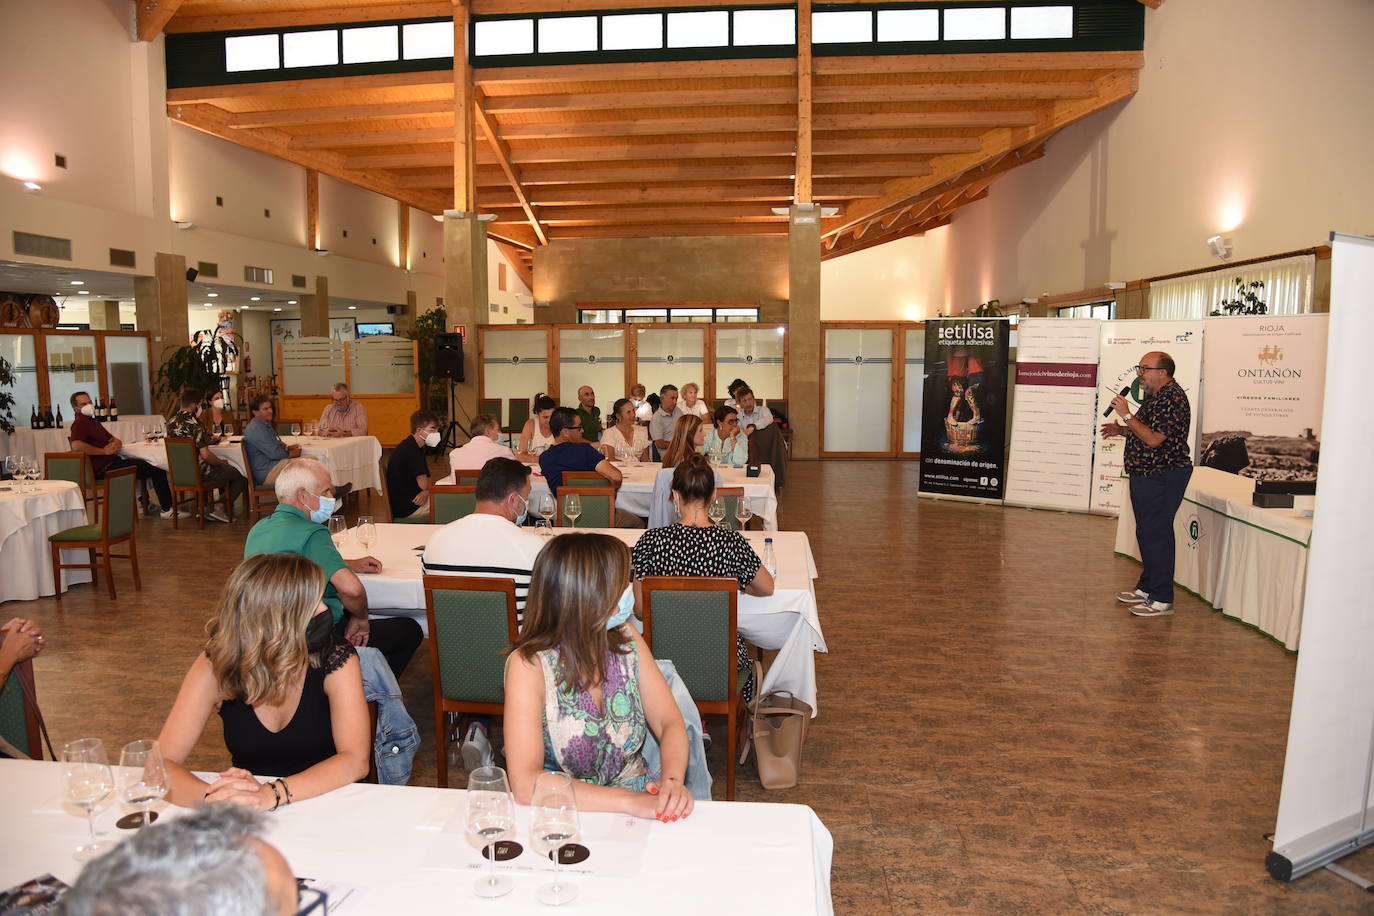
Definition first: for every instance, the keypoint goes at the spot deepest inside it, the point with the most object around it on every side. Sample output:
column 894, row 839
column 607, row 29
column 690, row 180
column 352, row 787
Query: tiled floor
column 996, row 734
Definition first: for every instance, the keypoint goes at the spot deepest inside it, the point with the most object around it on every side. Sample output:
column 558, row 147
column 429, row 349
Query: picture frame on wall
column 283, row 329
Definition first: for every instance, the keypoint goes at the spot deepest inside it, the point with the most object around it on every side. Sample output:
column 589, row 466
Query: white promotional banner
column 1053, row 432
column 1123, row 345
column 1262, row 395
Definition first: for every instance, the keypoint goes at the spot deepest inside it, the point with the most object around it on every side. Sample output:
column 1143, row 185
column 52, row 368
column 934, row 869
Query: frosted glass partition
column 671, row 356
column 18, row 351
column 311, row 365
column 515, row 364
column 596, row 357
column 915, row 387
column 858, row 386
column 71, row 368
column 126, row 361
column 381, row 365
column 757, row 355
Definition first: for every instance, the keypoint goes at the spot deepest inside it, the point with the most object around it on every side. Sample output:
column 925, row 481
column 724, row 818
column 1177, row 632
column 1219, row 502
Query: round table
column 26, row 521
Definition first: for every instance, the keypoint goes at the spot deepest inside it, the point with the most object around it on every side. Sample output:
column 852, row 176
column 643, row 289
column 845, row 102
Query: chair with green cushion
column 115, row 526
column 598, row 507
column 18, row 722
column 515, row 421
column 284, row 426
column 731, row 497
column 72, row 466
column 585, row 479
column 693, row 620
column 447, row 503
column 467, row 478
column 471, row 625
column 255, row 493
column 491, row 406
column 183, row 476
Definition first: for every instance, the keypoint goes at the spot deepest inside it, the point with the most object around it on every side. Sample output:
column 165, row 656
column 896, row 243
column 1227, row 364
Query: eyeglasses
column 574, row 429
column 1140, row 370
column 311, row 900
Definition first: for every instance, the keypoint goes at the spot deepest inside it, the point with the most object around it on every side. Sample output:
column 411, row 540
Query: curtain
column 1287, row 288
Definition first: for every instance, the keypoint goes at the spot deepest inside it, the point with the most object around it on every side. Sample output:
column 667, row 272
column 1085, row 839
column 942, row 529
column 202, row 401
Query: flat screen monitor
column 376, row 328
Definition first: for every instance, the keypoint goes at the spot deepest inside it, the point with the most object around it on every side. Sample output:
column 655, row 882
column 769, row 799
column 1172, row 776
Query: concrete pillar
column 466, row 297
column 406, row 320
column 160, row 301
column 104, row 314
column 315, row 310
column 804, row 329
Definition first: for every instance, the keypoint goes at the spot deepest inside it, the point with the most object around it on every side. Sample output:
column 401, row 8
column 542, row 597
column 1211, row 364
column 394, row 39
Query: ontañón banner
column 964, row 411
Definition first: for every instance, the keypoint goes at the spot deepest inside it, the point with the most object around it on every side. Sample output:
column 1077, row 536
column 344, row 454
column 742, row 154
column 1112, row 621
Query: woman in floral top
column 582, row 689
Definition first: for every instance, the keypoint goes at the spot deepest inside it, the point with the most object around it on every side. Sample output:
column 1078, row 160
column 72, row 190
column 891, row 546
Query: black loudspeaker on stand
column 448, row 364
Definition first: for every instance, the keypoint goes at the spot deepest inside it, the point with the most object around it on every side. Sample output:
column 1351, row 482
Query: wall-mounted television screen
column 375, row 328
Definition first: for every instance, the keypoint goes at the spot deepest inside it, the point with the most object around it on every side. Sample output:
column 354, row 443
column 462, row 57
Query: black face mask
column 319, row 632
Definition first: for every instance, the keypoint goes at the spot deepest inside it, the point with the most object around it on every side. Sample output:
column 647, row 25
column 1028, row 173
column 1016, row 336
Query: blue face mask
column 321, row 515
column 624, row 609
column 524, row 513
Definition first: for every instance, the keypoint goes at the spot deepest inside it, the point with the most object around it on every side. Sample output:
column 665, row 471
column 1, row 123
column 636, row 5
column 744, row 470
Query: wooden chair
column 515, row 421
column 183, row 476
column 585, row 479
column 18, row 719
column 115, row 526
column 471, row 625
column 283, row 427
column 731, row 497
column 598, row 507
column 255, row 493
column 449, row 502
column 466, row 478
column 491, row 406
column 76, row 467
column 694, row 621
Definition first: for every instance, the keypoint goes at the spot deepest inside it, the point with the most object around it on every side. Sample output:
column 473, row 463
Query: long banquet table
column 1247, row 562
column 402, row 849
column 788, row 620
column 26, row 521
column 352, row 459
column 36, row 442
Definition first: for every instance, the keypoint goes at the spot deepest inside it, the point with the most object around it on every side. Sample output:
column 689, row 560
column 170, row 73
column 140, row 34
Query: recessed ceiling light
column 290, row 301
column 78, row 283
column 277, row 309
column 352, row 308
column 254, row 298
column 205, row 305
column 32, row 186
column 213, row 295
column 83, row 292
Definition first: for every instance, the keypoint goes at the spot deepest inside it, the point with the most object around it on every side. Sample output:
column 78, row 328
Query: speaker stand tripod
column 453, row 431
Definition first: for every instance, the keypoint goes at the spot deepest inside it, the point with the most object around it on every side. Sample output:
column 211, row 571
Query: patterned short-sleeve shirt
column 1166, row 412
column 185, row 426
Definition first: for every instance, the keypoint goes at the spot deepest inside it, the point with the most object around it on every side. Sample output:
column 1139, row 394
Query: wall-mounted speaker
column 191, row 274
column 448, row 356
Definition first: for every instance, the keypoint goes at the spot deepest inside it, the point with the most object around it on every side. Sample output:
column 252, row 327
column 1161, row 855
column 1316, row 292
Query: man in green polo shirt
column 590, row 414
column 305, row 499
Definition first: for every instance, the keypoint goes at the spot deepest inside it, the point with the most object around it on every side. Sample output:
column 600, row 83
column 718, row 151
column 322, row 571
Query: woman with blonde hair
column 583, row 692
column 289, row 692
column 688, row 435
column 692, row 402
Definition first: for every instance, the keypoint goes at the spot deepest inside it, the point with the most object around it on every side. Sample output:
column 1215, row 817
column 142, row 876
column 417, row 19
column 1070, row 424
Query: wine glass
column 367, row 531
column 572, row 508
column 743, row 512
column 546, row 506
column 295, row 429
column 716, row 511
column 490, row 820
column 142, row 775
column 553, row 825
column 338, row 527
column 86, row 782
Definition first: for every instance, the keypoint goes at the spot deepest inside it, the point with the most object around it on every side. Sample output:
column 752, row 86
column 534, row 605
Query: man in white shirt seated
column 490, row 541
column 752, row 414
column 482, row 447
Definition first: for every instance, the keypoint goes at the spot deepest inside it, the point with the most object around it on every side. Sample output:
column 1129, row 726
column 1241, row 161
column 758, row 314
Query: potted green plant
column 422, row 332
column 197, row 365
column 6, row 399
column 1247, row 300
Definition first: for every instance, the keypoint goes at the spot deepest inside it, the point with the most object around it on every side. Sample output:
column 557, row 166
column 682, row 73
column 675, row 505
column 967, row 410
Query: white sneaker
column 1134, row 596
column 180, row 513
column 1153, row 609
column 476, row 749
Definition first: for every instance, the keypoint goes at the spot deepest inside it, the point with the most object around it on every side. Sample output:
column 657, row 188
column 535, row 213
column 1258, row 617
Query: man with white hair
column 209, row 862
column 482, row 446
column 343, row 416
column 305, row 500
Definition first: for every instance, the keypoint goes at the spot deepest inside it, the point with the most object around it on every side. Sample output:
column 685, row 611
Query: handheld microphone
column 1124, row 392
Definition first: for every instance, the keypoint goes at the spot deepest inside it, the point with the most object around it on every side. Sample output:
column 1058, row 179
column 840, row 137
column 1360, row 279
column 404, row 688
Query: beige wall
column 886, row 283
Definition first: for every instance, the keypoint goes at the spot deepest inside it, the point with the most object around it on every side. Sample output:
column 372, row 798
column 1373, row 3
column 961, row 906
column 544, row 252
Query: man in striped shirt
column 490, row 542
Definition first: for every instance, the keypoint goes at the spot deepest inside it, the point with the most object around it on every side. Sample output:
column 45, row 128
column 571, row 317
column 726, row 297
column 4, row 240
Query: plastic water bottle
column 770, row 562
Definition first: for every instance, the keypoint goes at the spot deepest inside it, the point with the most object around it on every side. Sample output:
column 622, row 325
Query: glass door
column 913, row 387
column 857, row 395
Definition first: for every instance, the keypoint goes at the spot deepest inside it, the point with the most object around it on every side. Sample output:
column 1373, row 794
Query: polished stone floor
column 996, row 734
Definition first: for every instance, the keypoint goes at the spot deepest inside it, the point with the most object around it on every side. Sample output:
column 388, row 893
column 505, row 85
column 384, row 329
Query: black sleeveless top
column 307, row 739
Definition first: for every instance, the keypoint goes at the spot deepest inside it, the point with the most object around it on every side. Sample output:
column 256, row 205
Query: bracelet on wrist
column 287, row 789
column 275, row 795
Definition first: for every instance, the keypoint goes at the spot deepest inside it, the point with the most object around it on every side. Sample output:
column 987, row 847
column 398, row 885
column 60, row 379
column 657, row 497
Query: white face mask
column 217, row 403
column 88, row 409
column 432, row 440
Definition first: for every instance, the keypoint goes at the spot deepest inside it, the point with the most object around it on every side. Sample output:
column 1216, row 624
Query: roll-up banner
column 1262, row 384
column 1053, row 425
column 964, row 410
column 1124, row 343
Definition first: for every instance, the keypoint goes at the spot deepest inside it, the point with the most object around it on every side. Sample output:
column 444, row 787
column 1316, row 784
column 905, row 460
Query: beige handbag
column 777, row 725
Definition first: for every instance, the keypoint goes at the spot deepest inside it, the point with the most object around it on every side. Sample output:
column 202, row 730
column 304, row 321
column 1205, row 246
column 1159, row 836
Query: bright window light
column 979, row 23
column 503, row 36
column 908, row 25
column 839, row 28
column 311, row 49
column 567, row 33
column 633, row 32
column 699, row 30
column 251, row 52
column 424, row 40
column 363, row 46
column 765, row 27
column 1042, row 22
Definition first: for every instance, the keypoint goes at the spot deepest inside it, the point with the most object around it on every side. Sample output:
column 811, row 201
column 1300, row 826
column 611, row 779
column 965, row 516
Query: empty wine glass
column 743, row 512
column 142, row 775
column 572, row 508
column 545, row 505
column 554, row 824
column 338, row 527
column 86, row 782
column 367, row 531
column 295, row 429
column 716, row 511
column 490, row 820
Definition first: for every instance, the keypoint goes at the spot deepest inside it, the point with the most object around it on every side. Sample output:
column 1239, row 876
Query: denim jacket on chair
column 397, row 739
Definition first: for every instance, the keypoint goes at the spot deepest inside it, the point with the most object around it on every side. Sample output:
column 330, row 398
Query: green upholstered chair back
column 731, row 497
column 451, row 502
column 693, row 622
column 471, row 623
column 491, row 406
column 66, row 466
column 16, row 725
column 598, row 507
column 778, row 405
column 183, row 464
column 119, row 502
column 584, row 479
column 467, row 478
column 284, row 427
column 519, row 413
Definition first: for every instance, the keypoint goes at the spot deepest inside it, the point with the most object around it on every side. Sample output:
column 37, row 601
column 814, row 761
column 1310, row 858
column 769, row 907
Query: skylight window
column 310, row 49
column 908, row 25
column 503, row 36
column 1042, row 22
column 368, row 45
column 633, row 32
column 765, row 27
column 709, row 29
column 567, row 33
column 841, row 28
column 980, row 23
column 251, row 52
column 424, row 40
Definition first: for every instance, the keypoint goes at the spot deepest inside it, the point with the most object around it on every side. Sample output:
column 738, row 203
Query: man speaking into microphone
column 1159, row 467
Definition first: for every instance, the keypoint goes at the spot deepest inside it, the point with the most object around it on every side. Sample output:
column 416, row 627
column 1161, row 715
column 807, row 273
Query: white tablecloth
column 35, row 443
column 637, row 488
column 26, row 521
column 355, row 460
column 1250, row 563
column 788, row 620
column 402, row 849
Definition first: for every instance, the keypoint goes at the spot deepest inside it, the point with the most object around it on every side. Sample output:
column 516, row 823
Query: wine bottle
column 100, row 411
column 59, row 416
column 48, row 420
column 34, row 422
column 114, row 409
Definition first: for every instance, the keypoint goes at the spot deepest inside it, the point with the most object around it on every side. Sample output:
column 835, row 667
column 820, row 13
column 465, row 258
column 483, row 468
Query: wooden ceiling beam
column 627, row 216
column 662, row 97
column 650, row 230
column 152, row 16
column 373, row 137
column 661, row 70
column 965, row 63
column 827, row 168
column 517, row 259
column 631, row 125
column 805, row 127
column 308, row 15
column 463, row 130
column 841, row 248
column 346, row 113
column 233, row 92
column 503, row 159
column 896, row 146
column 507, row 7
column 938, row 92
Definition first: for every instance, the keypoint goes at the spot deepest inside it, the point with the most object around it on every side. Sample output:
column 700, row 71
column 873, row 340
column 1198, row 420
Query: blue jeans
column 1155, row 500
column 397, row 739
column 698, row 779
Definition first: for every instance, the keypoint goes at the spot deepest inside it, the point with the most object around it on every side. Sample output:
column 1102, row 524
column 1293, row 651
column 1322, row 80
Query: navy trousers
column 1155, row 500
